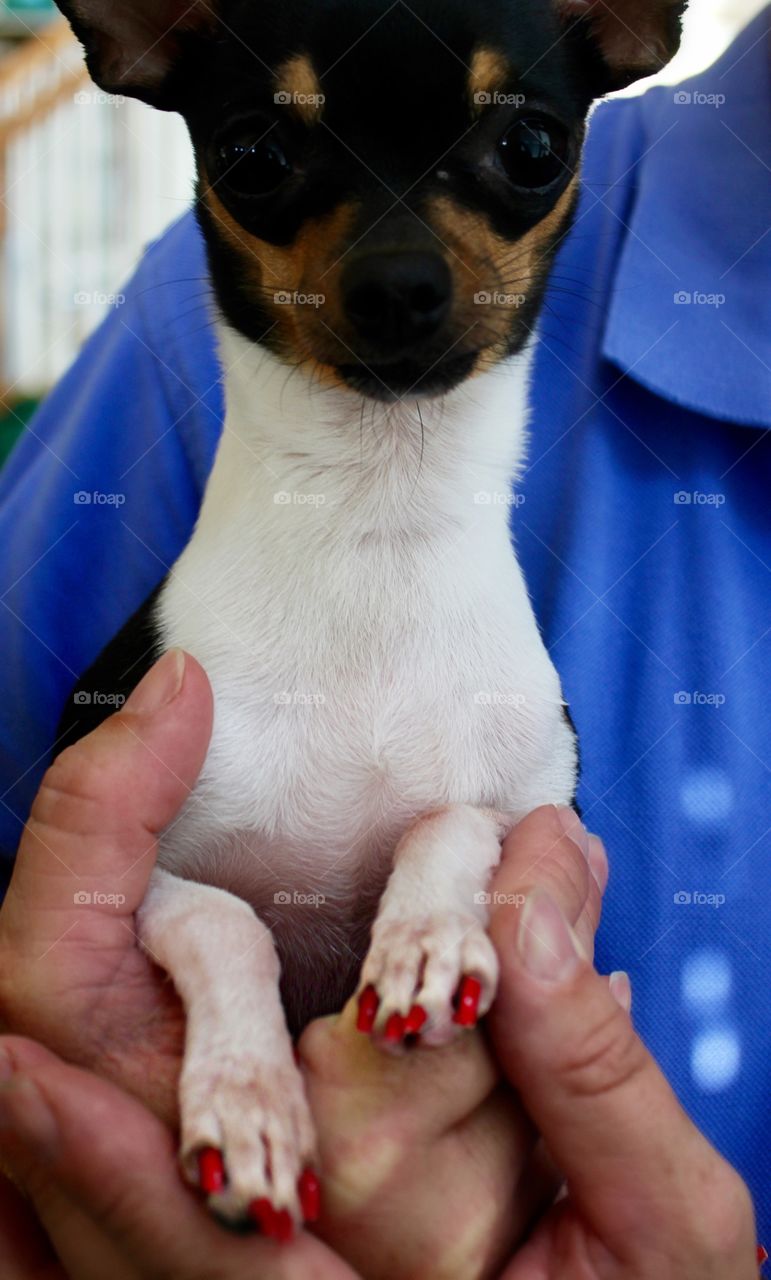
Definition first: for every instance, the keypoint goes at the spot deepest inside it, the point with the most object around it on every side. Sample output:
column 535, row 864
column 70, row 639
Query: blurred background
column 87, row 180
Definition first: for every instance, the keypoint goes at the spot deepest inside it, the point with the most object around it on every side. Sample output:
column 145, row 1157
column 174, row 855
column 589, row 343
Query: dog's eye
column 251, row 165
column 534, row 152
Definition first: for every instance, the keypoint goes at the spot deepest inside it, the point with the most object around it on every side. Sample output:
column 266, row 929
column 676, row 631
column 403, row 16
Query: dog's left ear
column 139, row 48
column 632, row 38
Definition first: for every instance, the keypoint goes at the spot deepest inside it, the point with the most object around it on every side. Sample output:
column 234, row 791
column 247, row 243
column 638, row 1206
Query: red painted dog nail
column 469, row 995
column 309, row 1189
column 264, row 1215
column 211, row 1170
column 416, row 1020
column 283, row 1227
column 369, row 1001
column 762, row 1255
column 394, row 1031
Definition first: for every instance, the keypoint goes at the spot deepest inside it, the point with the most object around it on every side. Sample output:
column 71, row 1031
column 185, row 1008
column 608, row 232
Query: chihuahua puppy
column 382, row 187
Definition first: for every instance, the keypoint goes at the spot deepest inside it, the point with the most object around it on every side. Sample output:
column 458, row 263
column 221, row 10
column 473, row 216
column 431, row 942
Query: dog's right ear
column 137, row 47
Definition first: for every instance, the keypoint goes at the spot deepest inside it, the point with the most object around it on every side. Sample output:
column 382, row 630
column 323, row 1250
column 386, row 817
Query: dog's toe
column 428, row 978
column 248, row 1143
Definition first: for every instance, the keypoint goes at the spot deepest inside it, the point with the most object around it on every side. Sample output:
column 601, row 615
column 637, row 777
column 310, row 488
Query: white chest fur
column 365, row 627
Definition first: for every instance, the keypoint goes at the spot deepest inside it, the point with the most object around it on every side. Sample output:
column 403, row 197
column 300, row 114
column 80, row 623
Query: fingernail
column 621, row 989
column 547, row 945
column 574, row 829
column 7, row 1067
column 598, row 862
column 25, row 1115
column 160, row 686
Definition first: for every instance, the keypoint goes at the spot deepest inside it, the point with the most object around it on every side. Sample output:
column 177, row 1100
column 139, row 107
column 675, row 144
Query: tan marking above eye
column 490, row 73
column 298, row 88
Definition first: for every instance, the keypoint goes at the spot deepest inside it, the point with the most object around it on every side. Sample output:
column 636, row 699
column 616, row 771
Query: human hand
column 72, row 975
column 431, row 1166
column 101, row 1173
column 76, row 979
column 647, row 1197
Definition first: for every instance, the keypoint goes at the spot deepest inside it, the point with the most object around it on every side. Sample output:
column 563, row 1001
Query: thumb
column 91, row 837
column 607, row 1114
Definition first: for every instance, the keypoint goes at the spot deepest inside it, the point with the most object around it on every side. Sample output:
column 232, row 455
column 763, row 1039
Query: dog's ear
column 137, row 47
column 632, row 38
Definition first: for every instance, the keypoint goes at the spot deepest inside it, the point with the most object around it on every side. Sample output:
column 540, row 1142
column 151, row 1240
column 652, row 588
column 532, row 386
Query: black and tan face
column 382, row 186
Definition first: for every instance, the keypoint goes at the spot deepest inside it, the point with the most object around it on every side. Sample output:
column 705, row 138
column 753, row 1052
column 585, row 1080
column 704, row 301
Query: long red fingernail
column 416, row 1020
column 309, row 1189
column 369, row 1001
column 211, row 1170
column 469, row 995
column 394, row 1031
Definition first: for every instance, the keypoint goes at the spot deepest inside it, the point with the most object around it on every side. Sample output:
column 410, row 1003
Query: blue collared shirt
column 644, row 527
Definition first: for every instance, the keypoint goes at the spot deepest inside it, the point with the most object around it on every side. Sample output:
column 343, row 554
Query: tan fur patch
column 490, row 73
column 299, row 283
column 492, row 275
column 492, row 278
column 299, row 88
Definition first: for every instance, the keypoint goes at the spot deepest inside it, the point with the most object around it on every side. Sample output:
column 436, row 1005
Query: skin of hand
column 101, row 1172
column 433, row 1146
column 74, row 978
column 72, row 975
column 647, row 1197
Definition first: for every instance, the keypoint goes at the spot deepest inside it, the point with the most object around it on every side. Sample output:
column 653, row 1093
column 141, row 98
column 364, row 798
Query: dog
column 382, row 188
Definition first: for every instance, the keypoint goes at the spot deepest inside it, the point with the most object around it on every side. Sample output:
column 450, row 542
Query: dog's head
column 382, row 183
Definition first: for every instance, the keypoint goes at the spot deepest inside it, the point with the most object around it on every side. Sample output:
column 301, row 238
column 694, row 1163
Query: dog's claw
column 368, row 1007
column 394, row 1031
column 309, row 1189
column 263, row 1213
column 275, row 1224
column 211, row 1170
column 283, row 1227
column 416, row 1020
column 467, row 1011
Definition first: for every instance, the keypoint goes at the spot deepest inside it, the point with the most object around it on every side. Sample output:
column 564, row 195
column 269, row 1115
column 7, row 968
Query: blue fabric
column 645, row 534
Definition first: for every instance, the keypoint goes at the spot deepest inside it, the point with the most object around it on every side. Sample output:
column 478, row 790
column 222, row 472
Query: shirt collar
column 690, row 314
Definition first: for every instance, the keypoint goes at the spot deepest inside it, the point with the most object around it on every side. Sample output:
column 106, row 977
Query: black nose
column 395, row 299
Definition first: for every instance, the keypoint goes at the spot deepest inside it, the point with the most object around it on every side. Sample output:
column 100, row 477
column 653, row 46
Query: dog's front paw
column 430, row 976
column 248, row 1140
